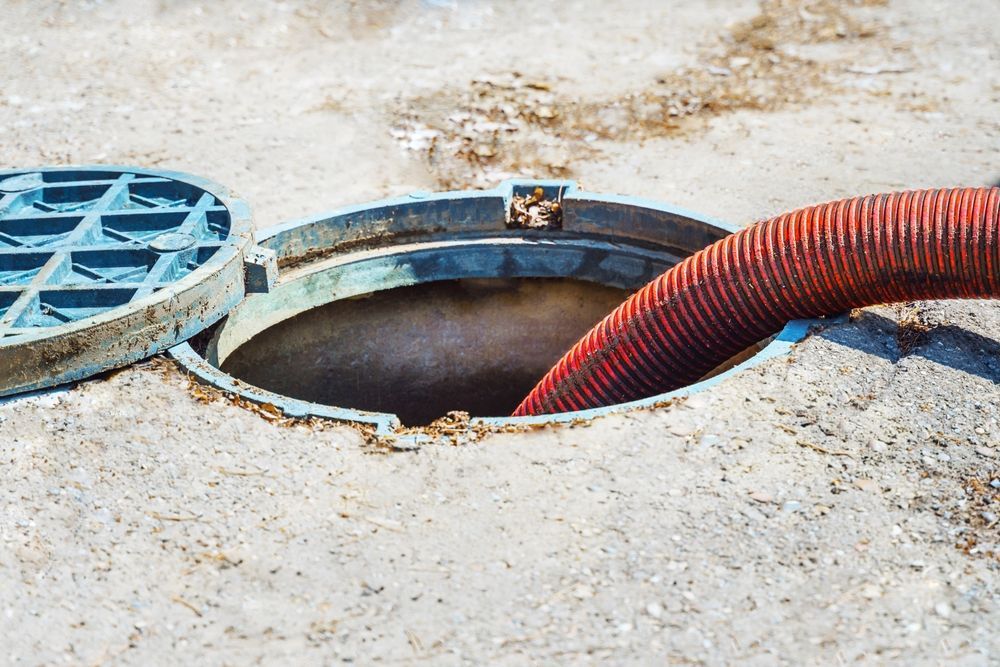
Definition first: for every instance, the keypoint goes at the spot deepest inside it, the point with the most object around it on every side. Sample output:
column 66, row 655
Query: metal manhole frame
column 401, row 225
column 136, row 329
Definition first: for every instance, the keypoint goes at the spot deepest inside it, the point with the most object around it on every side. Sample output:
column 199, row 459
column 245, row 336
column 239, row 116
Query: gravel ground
column 838, row 505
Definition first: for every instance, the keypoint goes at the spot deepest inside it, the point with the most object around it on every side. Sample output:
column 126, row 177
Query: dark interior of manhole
column 422, row 351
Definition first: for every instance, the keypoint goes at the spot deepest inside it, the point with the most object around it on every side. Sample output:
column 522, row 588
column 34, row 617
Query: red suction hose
column 820, row 260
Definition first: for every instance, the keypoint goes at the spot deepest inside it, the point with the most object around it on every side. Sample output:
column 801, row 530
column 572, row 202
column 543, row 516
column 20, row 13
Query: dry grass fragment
column 184, row 603
column 912, row 329
column 823, row 450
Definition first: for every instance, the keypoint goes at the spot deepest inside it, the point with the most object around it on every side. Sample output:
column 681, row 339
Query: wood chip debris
column 535, row 211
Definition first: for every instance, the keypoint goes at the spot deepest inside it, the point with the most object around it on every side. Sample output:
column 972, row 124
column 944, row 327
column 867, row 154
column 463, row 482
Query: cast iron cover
column 102, row 266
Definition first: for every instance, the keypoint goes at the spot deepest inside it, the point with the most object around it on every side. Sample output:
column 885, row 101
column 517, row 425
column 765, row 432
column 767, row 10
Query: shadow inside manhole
column 474, row 345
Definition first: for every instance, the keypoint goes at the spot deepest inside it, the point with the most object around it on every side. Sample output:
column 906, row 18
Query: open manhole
column 477, row 346
column 405, row 309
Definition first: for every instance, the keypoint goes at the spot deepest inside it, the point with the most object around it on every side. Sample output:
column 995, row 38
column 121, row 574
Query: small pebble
column 697, row 402
column 654, row 609
column 866, row 484
column 871, row 591
column 682, row 430
column 942, row 609
column 791, row 506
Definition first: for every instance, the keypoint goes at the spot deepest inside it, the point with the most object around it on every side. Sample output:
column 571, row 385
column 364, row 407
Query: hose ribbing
column 820, row 260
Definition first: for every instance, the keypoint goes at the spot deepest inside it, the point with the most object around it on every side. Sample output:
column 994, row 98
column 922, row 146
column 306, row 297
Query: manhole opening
column 464, row 304
column 476, row 345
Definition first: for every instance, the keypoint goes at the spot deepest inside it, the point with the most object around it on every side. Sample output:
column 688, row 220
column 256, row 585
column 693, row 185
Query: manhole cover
column 103, row 266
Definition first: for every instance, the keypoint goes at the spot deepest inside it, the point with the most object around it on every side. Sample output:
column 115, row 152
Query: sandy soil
column 836, row 506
